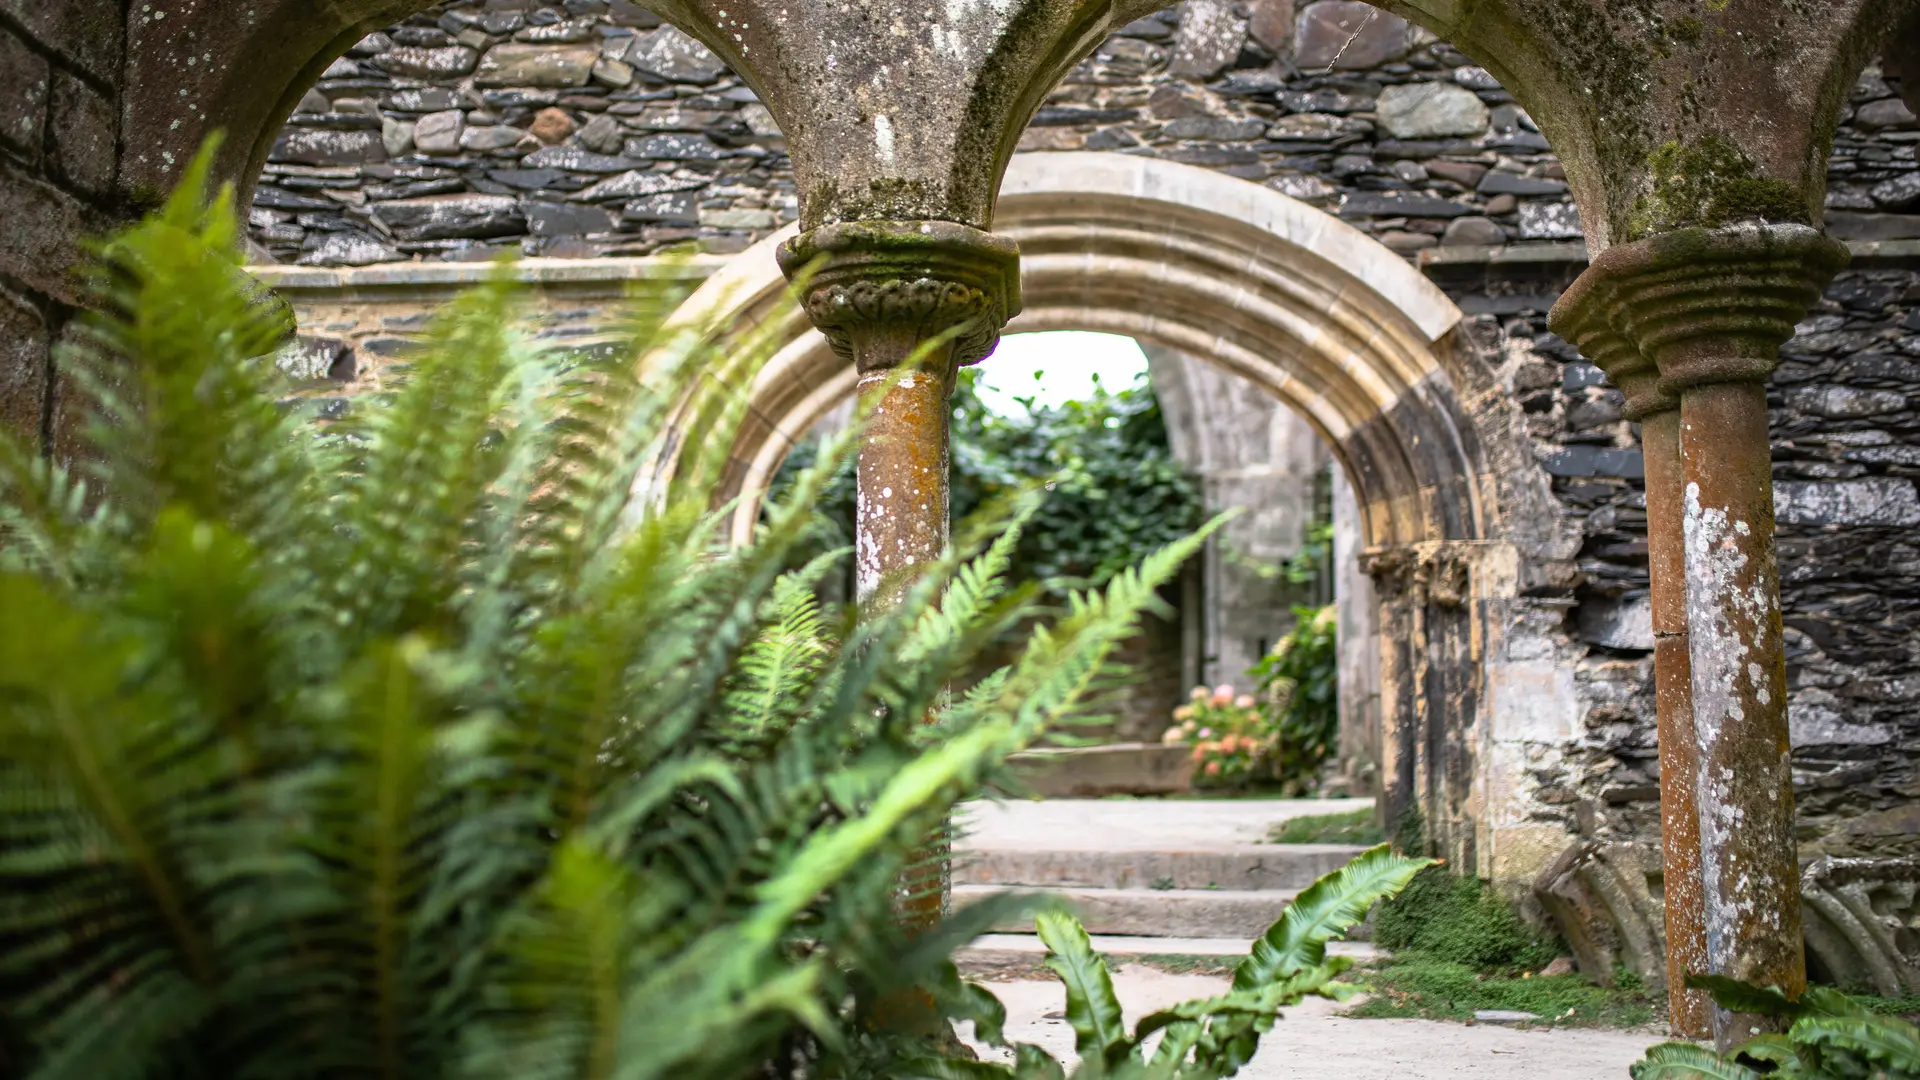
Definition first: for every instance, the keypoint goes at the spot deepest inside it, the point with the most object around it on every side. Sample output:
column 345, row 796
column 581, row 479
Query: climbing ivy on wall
column 1114, row 489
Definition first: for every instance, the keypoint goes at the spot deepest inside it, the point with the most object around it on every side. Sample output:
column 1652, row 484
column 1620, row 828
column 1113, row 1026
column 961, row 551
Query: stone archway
column 1290, row 298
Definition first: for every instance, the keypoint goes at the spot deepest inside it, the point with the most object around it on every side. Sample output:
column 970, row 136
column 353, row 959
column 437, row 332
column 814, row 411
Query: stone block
column 737, row 219
column 1270, row 22
column 439, row 133
column 318, row 146
column 1533, row 701
column 491, row 137
column 1210, row 38
column 576, row 160
column 1473, row 231
column 1307, row 127
column 451, row 217
column 1586, row 460
column 555, row 66
column 666, row 208
column 673, row 147
column 668, row 54
column 567, row 219
column 1499, row 182
column 1119, row 769
column 1549, row 221
column 1617, row 623
column 420, row 62
column 1886, row 501
column 634, row 184
column 602, row 135
column 26, row 83
column 1371, row 204
column 24, row 341
column 424, row 100
column 1347, row 35
column 88, row 32
column 345, row 249
column 310, row 358
column 1845, row 402
column 1431, row 110
column 86, row 133
column 1890, row 113
column 1214, row 129
column 41, row 228
column 552, row 126
column 1846, row 225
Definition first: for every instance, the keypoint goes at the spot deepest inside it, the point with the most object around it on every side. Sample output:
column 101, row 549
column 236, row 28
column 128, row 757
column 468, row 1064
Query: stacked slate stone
column 1846, row 433
column 1335, row 103
column 575, row 129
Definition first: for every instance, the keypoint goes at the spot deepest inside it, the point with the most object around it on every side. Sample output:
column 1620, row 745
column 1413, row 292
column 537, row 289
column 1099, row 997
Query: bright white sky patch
column 1069, row 362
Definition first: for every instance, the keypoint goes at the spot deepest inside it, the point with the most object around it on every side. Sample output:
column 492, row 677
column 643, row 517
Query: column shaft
column 1689, row 1011
column 1744, row 786
column 900, row 522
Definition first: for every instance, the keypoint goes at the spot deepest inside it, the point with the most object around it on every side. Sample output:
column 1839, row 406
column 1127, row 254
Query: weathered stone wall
column 60, row 66
column 583, row 129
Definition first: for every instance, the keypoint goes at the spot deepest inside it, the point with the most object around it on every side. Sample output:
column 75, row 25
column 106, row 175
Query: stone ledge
column 445, row 275
column 1867, row 255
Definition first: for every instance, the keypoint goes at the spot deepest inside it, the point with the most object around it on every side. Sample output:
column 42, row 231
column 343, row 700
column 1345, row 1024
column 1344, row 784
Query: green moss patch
column 1458, row 919
column 1707, row 183
column 1424, row 988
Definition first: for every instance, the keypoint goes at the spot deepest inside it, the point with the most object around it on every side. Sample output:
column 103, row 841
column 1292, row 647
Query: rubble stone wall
column 584, row 129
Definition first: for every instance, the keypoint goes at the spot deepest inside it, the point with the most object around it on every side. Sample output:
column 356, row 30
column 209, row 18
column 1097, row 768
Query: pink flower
column 1213, row 768
column 1244, row 701
column 1173, row 736
column 1184, row 712
column 1199, row 693
column 1206, row 733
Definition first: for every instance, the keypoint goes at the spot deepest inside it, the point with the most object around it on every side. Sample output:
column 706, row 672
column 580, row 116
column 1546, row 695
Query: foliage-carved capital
column 880, row 289
column 1705, row 305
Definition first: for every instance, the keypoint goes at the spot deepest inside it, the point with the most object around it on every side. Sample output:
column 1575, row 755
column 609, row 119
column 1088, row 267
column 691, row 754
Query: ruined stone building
column 1366, row 219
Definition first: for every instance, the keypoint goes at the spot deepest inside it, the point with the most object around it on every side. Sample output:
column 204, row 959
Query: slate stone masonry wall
column 59, row 143
column 584, row 129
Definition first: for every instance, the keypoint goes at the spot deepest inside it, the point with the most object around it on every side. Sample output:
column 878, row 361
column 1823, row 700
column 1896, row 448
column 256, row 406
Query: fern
column 1830, row 1038
column 414, row 745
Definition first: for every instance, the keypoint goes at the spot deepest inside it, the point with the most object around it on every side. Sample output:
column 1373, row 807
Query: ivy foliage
column 1298, row 684
column 1113, row 489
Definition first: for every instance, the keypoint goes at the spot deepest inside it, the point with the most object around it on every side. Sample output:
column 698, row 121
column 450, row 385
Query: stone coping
column 1867, row 255
column 537, row 272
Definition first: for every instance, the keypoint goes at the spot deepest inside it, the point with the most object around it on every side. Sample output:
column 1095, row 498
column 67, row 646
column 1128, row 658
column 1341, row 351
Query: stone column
column 1710, row 308
column 1583, row 316
column 908, row 303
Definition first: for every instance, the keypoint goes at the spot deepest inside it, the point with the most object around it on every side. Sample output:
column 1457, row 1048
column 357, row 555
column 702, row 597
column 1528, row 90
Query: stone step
column 995, row 953
column 1228, row 867
column 1173, row 913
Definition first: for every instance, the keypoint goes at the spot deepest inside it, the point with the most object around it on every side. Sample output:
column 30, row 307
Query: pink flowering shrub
column 1233, row 744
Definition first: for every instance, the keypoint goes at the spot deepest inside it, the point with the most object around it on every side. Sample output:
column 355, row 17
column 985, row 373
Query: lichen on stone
column 1709, row 182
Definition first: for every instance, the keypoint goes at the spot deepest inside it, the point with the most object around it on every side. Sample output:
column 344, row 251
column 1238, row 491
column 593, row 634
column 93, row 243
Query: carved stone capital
column 878, row 289
column 1706, row 305
column 1584, row 316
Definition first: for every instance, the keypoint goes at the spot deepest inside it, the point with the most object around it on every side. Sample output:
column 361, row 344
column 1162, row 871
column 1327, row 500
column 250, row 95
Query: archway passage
column 1306, row 308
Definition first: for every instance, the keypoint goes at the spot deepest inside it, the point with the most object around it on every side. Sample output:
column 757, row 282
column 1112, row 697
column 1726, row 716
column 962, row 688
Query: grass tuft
column 1347, row 827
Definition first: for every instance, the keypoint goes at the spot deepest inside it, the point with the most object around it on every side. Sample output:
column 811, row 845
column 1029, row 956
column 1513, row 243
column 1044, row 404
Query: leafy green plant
column 1829, row 1037
column 414, row 745
column 1207, row 1039
column 1298, row 684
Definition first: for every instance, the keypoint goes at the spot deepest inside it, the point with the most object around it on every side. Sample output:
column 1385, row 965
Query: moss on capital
column 1708, row 182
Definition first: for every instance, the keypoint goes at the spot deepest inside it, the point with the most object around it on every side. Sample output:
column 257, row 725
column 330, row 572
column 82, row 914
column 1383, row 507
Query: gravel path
column 1313, row 1043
